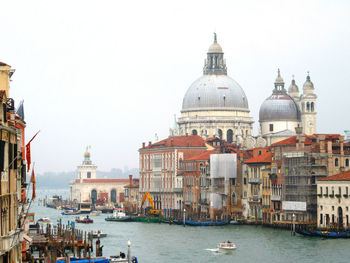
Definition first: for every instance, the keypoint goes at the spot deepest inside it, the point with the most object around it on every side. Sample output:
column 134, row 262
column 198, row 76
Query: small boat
column 234, row 222
column 324, row 234
column 70, row 212
column 84, row 220
column 206, row 223
column 227, row 247
column 95, row 213
column 119, row 216
column 98, row 234
column 44, row 220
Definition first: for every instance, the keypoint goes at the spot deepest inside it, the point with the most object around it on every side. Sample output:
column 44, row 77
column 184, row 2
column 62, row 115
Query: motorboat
column 44, row 220
column 84, row 220
column 70, row 212
column 227, row 247
column 98, row 234
column 119, row 215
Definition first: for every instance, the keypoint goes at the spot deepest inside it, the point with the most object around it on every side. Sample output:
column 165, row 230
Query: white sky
column 111, row 74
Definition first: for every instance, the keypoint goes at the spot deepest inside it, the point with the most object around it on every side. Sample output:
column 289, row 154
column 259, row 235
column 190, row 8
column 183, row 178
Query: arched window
column 308, row 106
column 194, row 132
column 312, row 106
column 346, row 162
column 93, row 196
column 114, row 196
column 336, row 162
column 220, row 134
column 233, row 199
column 229, row 136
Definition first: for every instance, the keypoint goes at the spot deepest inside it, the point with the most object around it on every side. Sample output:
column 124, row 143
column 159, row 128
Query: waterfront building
column 297, row 163
column 258, row 168
column 215, row 105
column 132, row 195
column 333, row 201
column 13, row 202
column 196, row 183
column 160, row 174
column 88, row 188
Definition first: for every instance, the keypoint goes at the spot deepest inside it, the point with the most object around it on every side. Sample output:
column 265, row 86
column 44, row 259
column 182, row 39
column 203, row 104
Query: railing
column 255, row 198
column 254, row 180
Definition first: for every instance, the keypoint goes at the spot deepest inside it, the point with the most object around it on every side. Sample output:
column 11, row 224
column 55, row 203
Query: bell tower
column 308, row 107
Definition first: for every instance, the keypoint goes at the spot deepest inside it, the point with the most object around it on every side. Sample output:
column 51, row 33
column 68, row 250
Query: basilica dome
column 215, row 92
column 279, row 106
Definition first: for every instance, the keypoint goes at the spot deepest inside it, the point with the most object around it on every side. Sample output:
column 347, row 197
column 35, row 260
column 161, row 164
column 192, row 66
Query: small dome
column 308, row 85
column 86, row 154
column 293, row 88
column 279, row 107
column 215, row 47
column 279, row 80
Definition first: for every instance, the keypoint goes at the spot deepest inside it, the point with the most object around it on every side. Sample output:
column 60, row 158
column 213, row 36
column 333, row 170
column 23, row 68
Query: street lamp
column 129, row 255
column 184, row 217
column 293, row 224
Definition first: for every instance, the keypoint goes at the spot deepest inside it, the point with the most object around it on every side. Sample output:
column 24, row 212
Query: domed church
column 215, row 104
column 282, row 112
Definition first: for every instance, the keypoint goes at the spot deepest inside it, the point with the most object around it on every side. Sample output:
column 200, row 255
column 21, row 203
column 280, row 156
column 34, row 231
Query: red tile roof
column 202, row 156
column 293, row 140
column 343, row 176
column 264, row 158
column 3, row 64
column 179, row 141
column 94, row 181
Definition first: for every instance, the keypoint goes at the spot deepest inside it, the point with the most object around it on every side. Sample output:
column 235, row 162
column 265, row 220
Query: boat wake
column 212, row 249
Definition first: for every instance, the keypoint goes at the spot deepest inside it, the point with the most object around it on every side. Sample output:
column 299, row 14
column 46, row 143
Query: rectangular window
column 233, row 181
column 339, row 190
column 245, row 180
column 321, row 190
column 321, row 219
column 89, row 175
column 271, row 127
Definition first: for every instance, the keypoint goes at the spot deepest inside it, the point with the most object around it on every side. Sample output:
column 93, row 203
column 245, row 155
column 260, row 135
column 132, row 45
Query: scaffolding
column 301, row 170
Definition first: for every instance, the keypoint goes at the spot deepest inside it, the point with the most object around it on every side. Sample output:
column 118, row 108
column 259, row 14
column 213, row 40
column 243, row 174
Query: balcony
column 254, row 180
column 6, row 243
column 255, row 199
column 177, row 189
column 217, row 189
column 275, row 197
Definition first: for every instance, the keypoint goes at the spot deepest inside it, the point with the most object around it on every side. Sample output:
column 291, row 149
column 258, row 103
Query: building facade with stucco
column 88, row 188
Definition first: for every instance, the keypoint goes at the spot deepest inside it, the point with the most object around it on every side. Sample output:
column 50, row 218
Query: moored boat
column 324, row 234
column 119, row 216
column 227, row 247
column 84, row 220
column 98, row 234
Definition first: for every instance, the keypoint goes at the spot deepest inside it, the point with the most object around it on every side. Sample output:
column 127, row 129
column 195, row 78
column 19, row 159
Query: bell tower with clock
column 308, row 107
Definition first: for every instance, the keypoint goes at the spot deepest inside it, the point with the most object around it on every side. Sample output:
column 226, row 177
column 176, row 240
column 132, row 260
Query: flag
column 28, row 157
column 32, row 180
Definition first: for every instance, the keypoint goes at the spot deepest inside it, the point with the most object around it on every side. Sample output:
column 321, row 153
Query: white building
column 333, row 201
column 88, row 188
column 284, row 111
column 215, row 104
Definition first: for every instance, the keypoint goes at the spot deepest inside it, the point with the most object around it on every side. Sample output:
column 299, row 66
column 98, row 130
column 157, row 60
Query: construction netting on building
column 223, row 167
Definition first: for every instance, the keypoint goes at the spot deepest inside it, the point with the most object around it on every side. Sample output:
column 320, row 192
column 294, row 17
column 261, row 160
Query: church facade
column 88, row 188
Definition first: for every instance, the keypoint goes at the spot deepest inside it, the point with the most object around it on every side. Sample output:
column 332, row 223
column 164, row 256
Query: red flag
column 29, row 160
column 28, row 157
column 32, row 180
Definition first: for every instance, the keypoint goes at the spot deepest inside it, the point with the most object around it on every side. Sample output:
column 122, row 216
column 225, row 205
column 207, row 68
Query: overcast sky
column 111, row 74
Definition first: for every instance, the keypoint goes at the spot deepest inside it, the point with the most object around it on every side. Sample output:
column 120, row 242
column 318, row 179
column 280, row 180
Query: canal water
column 173, row 243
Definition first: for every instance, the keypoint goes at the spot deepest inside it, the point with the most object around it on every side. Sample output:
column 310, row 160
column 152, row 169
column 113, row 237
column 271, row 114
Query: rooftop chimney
column 143, row 145
column 130, row 179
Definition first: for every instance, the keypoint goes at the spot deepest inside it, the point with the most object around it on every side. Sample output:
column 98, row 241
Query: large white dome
column 215, row 92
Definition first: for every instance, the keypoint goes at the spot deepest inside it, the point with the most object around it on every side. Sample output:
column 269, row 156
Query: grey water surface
column 173, row 243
